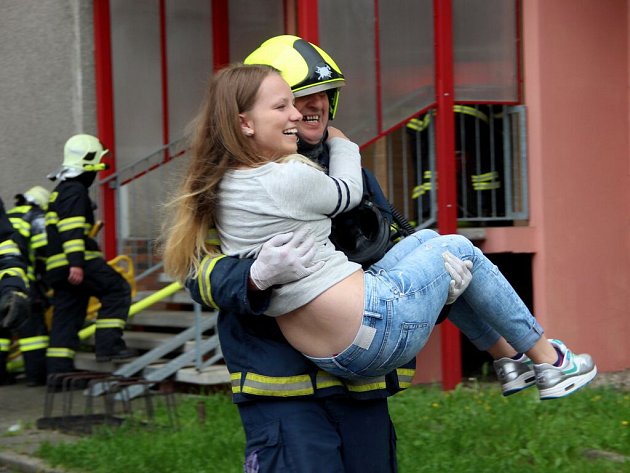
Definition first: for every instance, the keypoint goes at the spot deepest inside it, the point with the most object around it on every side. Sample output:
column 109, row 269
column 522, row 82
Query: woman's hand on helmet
column 283, row 259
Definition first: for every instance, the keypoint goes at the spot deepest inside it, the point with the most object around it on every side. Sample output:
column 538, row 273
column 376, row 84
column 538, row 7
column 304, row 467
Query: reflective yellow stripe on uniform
column 212, row 238
column 93, row 254
column 471, row 111
column 417, row 124
column 425, row 187
column 58, row 352
column 326, row 380
column 71, row 223
column 56, row 261
column 420, row 124
column 235, row 380
column 22, row 209
column 110, row 323
column 5, row 344
column 59, row 260
column 22, row 226
column 33, row 343
column 9, row 248
column 38, row 241
column 301, row 385
column 486, row 181
column 14, row 272
column 405, row 376
column 52, row 218
column 74, row 246
column 362, row 386
column 205, row 287
column 279, row 386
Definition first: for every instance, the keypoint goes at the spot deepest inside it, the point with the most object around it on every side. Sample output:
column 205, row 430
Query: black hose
column 404, row 226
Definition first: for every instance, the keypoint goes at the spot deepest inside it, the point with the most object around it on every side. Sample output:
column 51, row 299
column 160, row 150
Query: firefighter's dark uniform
column 69, row 219
column 297, row 418
column 12, row 278
column 29, row 222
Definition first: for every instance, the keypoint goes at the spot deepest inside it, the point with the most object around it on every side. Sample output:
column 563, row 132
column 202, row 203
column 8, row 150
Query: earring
column 248, row 132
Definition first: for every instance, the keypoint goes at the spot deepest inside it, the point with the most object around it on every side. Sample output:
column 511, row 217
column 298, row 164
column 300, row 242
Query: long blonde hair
column 217, row 146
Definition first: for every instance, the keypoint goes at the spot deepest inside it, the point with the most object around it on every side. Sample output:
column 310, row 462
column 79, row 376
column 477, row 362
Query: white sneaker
column 515, row 375
column 575, row 372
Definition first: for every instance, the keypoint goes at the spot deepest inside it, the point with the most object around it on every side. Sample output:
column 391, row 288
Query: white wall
column 46, row 87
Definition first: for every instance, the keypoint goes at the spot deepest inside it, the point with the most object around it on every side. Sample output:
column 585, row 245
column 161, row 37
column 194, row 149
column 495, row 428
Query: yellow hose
column 167, row 291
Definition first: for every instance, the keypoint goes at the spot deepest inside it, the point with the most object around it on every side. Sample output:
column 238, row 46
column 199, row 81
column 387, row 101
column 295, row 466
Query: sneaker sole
column 568, row 386
column 524, row 381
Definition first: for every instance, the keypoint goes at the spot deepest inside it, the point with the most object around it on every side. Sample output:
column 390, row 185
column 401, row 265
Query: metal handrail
column 146, row 164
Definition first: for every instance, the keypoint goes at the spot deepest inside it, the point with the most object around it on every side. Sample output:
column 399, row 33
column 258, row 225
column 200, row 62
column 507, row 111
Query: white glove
column 460, row 274
column 284, row 258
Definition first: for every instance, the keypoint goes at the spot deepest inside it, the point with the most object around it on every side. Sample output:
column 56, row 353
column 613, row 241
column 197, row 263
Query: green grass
column 478, row 430
column 470, row 429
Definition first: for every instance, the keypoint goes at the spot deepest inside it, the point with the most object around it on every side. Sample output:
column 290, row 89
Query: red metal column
column 220, row 34
column 308, row 20
column 446, row 171
column 105, row 116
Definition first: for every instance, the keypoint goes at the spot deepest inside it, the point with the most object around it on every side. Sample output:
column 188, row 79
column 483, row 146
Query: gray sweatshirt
column 257, row 204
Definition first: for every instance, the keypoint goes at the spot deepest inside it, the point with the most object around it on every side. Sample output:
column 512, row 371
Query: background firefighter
column 28, row 220
column 75, row 266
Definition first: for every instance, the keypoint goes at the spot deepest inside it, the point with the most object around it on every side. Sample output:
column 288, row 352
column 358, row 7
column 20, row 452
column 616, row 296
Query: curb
column 26, row 464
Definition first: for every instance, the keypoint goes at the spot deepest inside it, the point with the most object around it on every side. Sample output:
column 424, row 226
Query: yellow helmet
column 36, row 195
column 81, row 153
column 306, row 67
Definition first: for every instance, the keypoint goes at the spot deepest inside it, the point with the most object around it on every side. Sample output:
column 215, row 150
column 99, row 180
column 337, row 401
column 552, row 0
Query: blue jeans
column 404, row 294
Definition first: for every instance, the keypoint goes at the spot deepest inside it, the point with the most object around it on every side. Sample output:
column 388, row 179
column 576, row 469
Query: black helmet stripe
column 314, row 60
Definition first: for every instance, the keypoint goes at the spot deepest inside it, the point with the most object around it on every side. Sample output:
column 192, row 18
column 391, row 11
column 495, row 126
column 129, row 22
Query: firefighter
column 29, row 221
column 14, row 304
column 75, row 268
column 289, row 408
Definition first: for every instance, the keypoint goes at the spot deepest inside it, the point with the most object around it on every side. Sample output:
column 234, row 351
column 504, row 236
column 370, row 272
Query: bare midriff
column 329, row 323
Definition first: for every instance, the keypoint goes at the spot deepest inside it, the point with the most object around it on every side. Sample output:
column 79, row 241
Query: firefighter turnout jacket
column 30, row 224
column 29, row 221
column 69, row 220
column 12, row 278
column 12, row 265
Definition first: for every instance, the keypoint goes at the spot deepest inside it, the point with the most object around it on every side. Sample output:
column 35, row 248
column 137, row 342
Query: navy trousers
column 335, row 435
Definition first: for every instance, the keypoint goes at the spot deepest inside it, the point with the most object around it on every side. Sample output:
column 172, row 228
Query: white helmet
column 81, row 153
column 36, row 195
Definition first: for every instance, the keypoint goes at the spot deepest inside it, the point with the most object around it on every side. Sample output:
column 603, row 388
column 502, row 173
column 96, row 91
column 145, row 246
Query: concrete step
column 145, row 341
column 87, row 361
column 212, row 375
column 166, row 318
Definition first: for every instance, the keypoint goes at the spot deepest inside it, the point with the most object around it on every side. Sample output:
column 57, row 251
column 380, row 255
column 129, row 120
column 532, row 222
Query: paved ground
column 20, row 407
